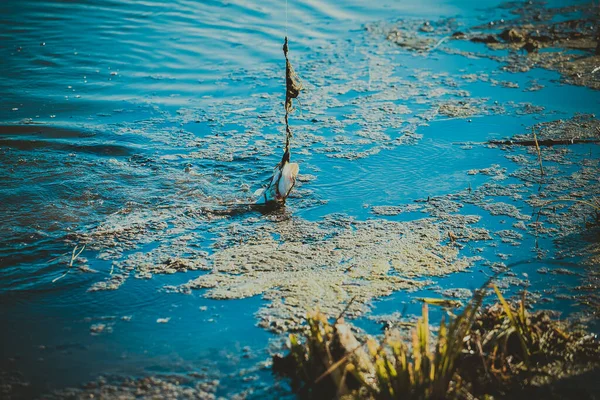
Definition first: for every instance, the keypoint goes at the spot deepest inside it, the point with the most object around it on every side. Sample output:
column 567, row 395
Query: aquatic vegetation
column 534, row 27
column 172, row 196
column 324, row 265
column 581, row 128
column 459, row 109
column 500, row 350
column 537, row 27
column 293, row 86
column 180, row 387
column 526, row 351
column 420, row 35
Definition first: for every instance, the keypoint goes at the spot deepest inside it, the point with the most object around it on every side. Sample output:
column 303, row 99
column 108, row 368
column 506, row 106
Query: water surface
column 113, row 105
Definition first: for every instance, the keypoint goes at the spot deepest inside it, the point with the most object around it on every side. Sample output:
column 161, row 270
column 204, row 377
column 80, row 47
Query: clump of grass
column 496, row 351
column 511, row 351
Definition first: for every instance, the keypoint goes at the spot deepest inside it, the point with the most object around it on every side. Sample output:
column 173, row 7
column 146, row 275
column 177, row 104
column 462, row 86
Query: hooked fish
column 284, row 176
column 281, row 184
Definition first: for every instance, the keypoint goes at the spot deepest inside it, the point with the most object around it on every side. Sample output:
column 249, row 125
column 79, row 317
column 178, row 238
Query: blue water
column 104, row 104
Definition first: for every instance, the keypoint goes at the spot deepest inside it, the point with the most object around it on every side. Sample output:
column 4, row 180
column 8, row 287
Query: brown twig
column 545, row 142
column 335, row 365
column 539, row 151
column 344, row 310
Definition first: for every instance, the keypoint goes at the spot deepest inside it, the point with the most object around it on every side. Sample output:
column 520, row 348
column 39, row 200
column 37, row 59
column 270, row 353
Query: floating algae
column 419, row 35
column 164, row 260
column 359, row 106
column 459, row 109
column 395, row 210
column 324, row 265
column 495, row 171
column 556, row 214
column 574, row 41
column 581, row 126
column 292, row 262
column 112, row 283
column 173, row 387
column 458, row 293
column 565, row 200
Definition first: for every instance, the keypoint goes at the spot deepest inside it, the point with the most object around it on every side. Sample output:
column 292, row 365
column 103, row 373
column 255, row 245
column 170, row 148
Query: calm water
column 104, row 105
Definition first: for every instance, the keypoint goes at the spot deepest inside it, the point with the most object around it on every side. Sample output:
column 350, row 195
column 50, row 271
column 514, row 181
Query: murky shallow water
column 118, row 107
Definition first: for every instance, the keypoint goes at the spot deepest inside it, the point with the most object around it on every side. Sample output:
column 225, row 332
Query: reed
column 498, row 350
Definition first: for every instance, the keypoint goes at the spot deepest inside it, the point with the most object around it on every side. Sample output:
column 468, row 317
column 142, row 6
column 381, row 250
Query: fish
column 281, row 183
column 284, row 175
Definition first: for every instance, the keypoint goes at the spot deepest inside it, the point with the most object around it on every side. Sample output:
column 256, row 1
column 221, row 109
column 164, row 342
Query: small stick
column 336, row 364
column 440, row 42
column 73, row 258
column 344, row 310
column 539, row 151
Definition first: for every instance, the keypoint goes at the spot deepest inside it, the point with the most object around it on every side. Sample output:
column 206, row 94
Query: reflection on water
column 127, row 105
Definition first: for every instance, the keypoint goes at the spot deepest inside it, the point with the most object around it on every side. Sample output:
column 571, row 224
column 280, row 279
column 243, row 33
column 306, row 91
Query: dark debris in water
column 573, row 41
column 570, row 33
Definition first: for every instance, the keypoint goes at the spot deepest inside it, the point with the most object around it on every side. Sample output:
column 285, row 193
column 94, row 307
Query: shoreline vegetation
column 497, row 351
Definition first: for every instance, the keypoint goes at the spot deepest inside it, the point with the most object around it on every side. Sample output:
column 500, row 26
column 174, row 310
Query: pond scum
column 341, row 265
column 501, row 351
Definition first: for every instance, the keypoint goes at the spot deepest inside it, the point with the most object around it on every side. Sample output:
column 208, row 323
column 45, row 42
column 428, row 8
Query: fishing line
column 286, row 18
